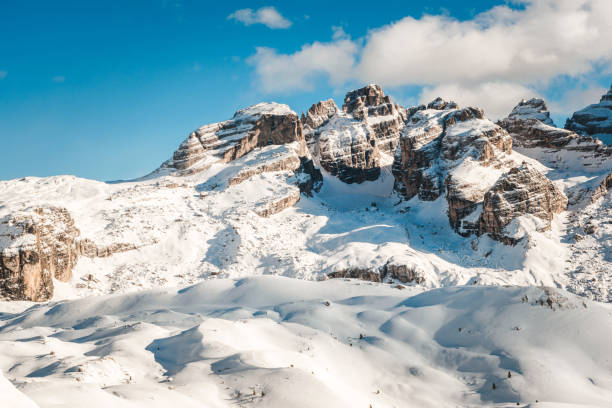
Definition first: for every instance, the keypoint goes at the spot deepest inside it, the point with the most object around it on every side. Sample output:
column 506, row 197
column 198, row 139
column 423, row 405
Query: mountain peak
column 264, row 108
column 369, row 96
column 534, row 108
column 441, row 104
column 595, row 120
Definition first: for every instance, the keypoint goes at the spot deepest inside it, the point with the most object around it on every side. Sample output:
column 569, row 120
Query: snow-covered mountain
column 419, row 198
column 594, row 120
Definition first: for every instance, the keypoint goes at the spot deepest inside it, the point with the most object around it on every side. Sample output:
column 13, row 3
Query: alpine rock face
column 594, row 120
column 464, row 157
column 355, row 142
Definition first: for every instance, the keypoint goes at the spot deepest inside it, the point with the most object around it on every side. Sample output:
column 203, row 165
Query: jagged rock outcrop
column 530, row 133
column 385, row 118
column 35, row 247
column 554, row 147
column 390, row 270
column 88, row 248
column 594, row 120
column 41, row 244
column 439, row 138
column 602, row 189
column 533, row 108
column 459, row 154
column 289, row 199
column 521, row 191
column 355, row 142
column 530, row 126
column 309, row 177
column 256, row 126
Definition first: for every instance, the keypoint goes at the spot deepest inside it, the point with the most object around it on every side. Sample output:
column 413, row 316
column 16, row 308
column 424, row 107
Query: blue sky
column 108, row 89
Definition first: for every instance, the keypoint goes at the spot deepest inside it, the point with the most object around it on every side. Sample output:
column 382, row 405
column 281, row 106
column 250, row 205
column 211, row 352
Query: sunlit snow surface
column 242, row 339
column 198, row 227
column 280, row 342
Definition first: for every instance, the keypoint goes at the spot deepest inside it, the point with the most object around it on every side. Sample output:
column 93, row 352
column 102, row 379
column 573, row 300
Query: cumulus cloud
column 3, row 74
column 281, row 72
column 267, row 16
column 503, row 53
column 498, row 98
column 575, row 99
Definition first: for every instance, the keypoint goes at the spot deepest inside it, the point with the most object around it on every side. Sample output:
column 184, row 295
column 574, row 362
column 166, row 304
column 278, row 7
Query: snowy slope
column 279, row 342
column 186, row 231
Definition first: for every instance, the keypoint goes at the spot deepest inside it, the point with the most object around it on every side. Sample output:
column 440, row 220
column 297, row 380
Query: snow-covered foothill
column 280, row 342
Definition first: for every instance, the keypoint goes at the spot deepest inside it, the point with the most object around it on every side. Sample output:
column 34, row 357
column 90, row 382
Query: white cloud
column 267, row 16
column 498, row 98
column 58, row 79
column 546, row 39
column 3, row 74
column 280, row 73
column 339, row 33
column 497, row 55
column 575, row 99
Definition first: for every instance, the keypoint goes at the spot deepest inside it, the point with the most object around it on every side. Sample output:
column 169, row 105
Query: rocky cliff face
column 384, row 118
column 41, row 244
column 439, row 138
column 533, row 108
column 522, row 191
column 594, row 120
column 355, row 142
column 257, row 126
column 36, row 246
column 530, row 126
column 459, row 154
column 342, row 145
column 554, row 147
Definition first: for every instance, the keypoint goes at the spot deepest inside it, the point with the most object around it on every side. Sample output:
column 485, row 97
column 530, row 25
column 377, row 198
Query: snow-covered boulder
column 594, row 120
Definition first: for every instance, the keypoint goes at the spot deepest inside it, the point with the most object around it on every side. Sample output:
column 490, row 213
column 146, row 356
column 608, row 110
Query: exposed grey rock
column 257, row 126
column 349, row 143
column 278, row 205
column 460, row 154
column 390, row 270
column 602, row 189
column 533, row 108
column 522, row 190
column 40, row 244
column 36, row 246
column 530, row 126
column 594, row 120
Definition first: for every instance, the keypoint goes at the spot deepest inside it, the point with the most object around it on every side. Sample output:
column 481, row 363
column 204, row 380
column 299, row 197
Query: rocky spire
column 368, row 101
column 594, row 120
column 607, row 97
column 533, row 108
column 355, row 142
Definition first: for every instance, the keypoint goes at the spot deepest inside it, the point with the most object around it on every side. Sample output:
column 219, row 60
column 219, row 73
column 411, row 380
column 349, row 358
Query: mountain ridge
column 449, row 161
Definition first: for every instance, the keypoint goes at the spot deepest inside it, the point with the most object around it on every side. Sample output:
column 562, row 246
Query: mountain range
column 424, row 222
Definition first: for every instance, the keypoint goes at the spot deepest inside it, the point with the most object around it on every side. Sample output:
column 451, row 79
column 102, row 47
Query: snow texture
column 280, row 342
